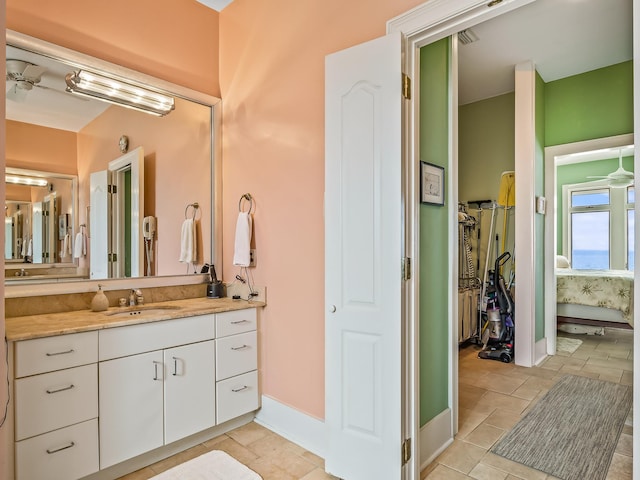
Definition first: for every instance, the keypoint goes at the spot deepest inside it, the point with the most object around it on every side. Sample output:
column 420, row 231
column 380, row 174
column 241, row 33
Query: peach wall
column 177, row 171
column 271, row 73
column 40, row 148
column 272, row 85
column 177, row 42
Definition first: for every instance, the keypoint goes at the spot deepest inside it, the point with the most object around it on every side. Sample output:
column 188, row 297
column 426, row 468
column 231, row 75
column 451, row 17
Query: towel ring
column 248, row 198
column 195, row 207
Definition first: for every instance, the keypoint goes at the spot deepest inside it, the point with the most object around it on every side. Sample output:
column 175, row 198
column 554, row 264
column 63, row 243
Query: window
column 595, row 218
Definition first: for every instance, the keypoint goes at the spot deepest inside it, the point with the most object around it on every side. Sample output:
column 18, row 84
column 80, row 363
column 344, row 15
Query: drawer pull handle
column 236, row 390
column 155, row 370
column 236, row 322
column 55, row 450
column 59, row 353
column 241, row 347
column 62, row 389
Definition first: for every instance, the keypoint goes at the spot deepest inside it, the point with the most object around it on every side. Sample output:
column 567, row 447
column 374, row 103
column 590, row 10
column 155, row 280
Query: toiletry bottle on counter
column 100, row 302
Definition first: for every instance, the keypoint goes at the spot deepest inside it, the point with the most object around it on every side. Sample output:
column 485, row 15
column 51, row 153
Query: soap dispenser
column 100, row 301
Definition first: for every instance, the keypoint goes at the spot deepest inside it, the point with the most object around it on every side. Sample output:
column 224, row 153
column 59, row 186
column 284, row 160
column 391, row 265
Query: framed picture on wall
column 431, row 184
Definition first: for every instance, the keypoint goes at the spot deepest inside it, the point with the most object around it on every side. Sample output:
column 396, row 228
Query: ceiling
column 51, row 106
column 217, row 5
column 562, row 38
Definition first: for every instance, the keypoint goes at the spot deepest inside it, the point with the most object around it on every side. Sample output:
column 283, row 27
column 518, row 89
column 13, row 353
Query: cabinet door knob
column 332, row 309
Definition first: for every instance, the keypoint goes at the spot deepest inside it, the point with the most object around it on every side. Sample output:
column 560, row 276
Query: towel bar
column 195, row 206
column 247, row 197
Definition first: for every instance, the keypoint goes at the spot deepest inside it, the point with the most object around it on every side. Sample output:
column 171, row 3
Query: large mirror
column 53, row 134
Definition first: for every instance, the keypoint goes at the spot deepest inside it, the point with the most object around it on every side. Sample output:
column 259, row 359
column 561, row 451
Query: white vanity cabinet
column 56, row 406
column 236, row 364
column 161, row 390
column 87, row 401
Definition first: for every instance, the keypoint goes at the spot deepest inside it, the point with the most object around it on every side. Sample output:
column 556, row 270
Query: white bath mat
column 214, row 465
column 568, row 345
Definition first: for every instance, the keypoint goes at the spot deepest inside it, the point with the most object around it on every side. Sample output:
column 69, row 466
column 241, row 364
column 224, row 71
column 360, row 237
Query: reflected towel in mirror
column 80, row 245
column 188, row 253
column 242, row 253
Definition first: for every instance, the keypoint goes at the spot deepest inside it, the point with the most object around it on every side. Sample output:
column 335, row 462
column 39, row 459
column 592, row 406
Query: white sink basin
column 142, row 309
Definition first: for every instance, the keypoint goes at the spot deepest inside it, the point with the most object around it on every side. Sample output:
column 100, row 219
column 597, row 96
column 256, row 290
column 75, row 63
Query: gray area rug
column 572, row 432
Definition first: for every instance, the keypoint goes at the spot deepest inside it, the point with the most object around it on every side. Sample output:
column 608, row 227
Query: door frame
column 551, row 231
column 426, row 24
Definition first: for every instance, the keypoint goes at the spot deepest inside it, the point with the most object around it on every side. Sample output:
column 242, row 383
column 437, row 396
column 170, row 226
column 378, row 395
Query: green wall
column 582, row 107
column 486, row 131
column 590, row 105
column 434, row 241
column 486, row 144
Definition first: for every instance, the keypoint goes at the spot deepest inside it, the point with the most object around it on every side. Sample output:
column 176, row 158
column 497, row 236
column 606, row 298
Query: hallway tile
column 461, row 456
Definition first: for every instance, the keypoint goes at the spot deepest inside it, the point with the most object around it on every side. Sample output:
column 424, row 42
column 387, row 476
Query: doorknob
column 332, row 309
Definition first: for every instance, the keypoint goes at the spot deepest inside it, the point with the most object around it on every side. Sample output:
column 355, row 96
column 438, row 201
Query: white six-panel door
column 363, row 260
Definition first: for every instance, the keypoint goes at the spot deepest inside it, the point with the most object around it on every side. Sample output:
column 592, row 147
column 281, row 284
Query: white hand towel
column 30, row 248
column 242, row 254
column 80, row 246
column 188, row 253
column 23, row 251
column 66, row 247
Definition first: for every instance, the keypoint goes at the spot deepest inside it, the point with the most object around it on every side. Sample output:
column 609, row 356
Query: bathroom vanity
column 100, row 394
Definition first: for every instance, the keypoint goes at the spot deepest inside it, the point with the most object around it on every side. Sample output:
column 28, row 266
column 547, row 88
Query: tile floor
column 263, row 451
column 492, row 395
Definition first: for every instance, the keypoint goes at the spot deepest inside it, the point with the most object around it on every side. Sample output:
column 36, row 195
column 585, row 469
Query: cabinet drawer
column 237, row 321
column 147, row 337
column 236, row 396
column 55, row 353
column 68, row 454
column 236, row 354
column 54, row 400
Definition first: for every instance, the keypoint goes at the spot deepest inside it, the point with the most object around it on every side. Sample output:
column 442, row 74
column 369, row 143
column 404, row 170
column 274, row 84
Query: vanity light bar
column 22, row 180
column 93, row 85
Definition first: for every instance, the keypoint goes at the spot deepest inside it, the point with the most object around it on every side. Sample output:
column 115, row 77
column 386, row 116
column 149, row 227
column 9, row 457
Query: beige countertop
column 46, row 325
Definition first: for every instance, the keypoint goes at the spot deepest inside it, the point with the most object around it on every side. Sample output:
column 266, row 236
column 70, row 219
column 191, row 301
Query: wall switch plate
column 252, row 257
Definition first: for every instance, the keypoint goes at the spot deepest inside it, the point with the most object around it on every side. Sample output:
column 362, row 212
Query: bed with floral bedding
column 603, row 294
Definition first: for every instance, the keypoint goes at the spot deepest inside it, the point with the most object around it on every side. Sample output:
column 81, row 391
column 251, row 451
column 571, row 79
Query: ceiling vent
column 467, row 36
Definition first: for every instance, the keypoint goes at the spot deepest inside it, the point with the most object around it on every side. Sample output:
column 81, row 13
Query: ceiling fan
column 26, row 76
column 620, row 178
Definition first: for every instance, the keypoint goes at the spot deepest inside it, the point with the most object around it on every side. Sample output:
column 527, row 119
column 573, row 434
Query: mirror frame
column 74, row 202
column 79, row 60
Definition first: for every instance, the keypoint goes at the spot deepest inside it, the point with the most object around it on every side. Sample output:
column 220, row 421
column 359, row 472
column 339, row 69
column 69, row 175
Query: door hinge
column 112, row 257
column 406, row 451
column 406, row 268
column 406, row 86
column 112, row 189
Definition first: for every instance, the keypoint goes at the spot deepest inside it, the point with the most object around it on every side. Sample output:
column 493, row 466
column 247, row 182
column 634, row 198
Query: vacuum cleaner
column 498, row 330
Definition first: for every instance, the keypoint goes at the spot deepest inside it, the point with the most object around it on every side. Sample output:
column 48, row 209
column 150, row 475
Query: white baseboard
column 540, row 351
column 295, row 426
column 435, row 437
